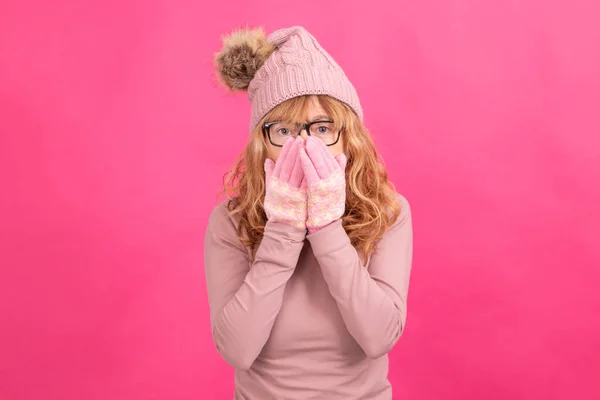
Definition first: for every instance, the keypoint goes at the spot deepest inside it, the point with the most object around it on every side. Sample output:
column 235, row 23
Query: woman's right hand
column 285, row 197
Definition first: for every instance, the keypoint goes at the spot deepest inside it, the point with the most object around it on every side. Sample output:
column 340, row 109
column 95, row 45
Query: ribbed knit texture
column 299, row 66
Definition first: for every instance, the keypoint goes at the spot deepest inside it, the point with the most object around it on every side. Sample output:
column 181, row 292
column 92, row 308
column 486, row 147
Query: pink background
column 114, row 139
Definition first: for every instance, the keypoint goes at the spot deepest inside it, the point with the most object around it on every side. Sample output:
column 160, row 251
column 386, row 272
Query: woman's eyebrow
column 317, row 118
column 320, row 117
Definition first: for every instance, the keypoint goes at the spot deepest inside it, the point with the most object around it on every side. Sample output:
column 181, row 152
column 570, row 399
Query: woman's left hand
column 326, row 180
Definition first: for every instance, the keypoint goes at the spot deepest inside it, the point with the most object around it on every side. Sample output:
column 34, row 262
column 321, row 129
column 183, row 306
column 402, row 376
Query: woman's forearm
column 371, row 301
column 245, row 302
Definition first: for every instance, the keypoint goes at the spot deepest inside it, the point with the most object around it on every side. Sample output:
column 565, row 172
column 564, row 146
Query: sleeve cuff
column 275, row 229
column 328, row 239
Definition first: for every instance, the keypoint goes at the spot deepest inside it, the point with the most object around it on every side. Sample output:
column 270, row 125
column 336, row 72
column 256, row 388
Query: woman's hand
column 326, row 184
column 285, row 197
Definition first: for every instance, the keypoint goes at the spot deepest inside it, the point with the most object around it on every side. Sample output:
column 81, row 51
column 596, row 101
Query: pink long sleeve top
column 306, row 319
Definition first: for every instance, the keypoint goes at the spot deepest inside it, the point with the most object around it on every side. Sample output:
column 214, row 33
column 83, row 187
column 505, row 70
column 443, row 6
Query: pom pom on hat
column 244, row 51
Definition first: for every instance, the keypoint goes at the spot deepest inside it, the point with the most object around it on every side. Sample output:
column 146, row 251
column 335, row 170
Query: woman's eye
column 283, row 132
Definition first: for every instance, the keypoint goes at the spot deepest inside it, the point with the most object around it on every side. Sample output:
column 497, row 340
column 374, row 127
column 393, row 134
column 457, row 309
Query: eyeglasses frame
column 267, row 132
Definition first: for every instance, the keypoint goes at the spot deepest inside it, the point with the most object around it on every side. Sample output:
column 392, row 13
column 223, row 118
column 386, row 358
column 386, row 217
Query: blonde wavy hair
column 371, row 202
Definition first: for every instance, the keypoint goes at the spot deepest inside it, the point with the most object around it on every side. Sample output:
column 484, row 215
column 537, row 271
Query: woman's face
column 315, row 113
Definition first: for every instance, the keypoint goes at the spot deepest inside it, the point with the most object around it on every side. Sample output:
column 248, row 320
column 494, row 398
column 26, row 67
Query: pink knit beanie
column 286, row 64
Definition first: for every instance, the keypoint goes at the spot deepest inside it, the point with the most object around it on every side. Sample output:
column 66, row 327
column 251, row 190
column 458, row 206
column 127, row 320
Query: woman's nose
column 303, row 134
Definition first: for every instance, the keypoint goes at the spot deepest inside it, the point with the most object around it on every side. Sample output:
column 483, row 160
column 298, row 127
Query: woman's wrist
column 286, row 230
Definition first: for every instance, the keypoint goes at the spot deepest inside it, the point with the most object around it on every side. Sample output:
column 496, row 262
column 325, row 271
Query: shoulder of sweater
column 221, row 210
column 405, row 211
column 404, row 204
column 222, row 227
column 221, row 220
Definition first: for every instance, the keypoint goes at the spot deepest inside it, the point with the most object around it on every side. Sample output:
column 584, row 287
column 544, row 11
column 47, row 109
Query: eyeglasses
column 279, row 132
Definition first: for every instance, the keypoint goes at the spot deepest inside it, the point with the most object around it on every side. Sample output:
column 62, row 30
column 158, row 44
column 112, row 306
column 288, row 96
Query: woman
column 308, row 262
